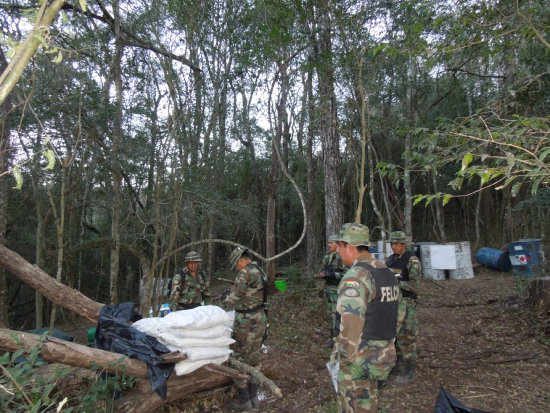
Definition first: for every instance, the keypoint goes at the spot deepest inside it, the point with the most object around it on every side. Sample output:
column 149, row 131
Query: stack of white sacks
column 203, row 333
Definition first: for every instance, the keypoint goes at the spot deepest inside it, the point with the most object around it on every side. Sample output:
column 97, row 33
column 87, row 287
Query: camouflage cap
column 398, row 237
column 333, row 238
column 354, row 234
column 192, row 256
column 235, row 255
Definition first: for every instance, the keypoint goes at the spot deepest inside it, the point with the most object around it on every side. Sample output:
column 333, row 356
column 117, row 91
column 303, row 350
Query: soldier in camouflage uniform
column 368, row 297
column 333, row 270
column 190, row 286
column 249, row 298
column 407, row 269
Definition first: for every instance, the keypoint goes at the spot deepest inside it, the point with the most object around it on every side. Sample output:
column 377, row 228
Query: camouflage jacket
column 413, row 271
column 336, row 268
column 355, row 291
column 247, row 292
column 187, row 289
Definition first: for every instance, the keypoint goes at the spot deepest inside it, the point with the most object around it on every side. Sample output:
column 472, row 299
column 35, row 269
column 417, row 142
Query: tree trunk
column 56, row 350
column 140, row 399
column 273, row 178
column 54, row 291
column 25, row 51
column 5, row 130
column 311, row 199
column 334, row 214
column 539, row 295
column 116, row 73
column 438, row 210
column 408, row 152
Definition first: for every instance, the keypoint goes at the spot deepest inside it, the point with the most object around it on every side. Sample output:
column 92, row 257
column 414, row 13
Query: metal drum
column 426, row 261
column 464, row 269
column 494, row 259
column 526, row 257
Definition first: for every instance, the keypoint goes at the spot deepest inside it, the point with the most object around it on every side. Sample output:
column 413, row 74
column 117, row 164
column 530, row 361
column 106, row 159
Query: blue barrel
column 526, row 256
column 494, row 259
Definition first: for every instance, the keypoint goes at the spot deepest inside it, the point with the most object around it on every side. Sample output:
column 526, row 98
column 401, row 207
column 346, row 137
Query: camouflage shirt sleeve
column 175, row 291
column 354, row 291
column 326, row 260
column 238, row 291
column 415, row 274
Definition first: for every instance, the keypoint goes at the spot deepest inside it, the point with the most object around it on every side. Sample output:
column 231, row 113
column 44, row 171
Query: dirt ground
column 478, row 339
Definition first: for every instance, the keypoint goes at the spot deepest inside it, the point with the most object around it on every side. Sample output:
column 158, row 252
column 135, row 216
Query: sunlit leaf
column 466, row 160
column 418, row 198
column 83, row 5
column 446, row 199
column 49, row 154
column 58, row 58
column 18, row 177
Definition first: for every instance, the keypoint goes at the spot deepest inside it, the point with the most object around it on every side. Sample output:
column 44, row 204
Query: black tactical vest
column 381, row 313
column 399, row 265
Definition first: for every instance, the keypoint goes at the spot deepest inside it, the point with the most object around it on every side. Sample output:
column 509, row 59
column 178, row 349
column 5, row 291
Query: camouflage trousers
column 407, row 329
column 334, row 316
column 359, row 382
column 248, row 331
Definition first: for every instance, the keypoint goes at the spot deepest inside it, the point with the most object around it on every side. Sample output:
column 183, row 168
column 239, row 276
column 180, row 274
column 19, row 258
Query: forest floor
column 478, row 339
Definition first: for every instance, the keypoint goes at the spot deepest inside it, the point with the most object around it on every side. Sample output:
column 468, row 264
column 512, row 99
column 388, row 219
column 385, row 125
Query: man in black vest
column 407, row 270
column 368, row 297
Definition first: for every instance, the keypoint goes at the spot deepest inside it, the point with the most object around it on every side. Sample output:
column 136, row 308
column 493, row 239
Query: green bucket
column 91, row 334
column 280, row 285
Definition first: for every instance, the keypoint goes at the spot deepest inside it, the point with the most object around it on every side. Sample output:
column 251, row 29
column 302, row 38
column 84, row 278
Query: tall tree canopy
column 139, row 127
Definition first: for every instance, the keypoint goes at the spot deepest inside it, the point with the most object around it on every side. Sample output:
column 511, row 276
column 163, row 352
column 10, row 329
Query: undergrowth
column 24, row 389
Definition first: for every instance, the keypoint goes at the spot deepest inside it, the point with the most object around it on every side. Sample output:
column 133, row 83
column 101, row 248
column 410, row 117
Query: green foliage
column 25, row 390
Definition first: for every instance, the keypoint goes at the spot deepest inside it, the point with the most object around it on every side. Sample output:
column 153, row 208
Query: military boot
column 328, row 345
column 398, row 368
column 242, row 402
column 408, row 374
column 253, row 393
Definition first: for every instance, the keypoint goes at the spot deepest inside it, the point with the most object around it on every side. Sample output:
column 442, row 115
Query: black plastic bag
column 447, row 403
column 115, row 334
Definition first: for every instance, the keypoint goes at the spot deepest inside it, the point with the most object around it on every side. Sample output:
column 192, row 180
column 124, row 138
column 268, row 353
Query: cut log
column 141, row 398
column 60, row 351
column 54, row 291
column 178, row 387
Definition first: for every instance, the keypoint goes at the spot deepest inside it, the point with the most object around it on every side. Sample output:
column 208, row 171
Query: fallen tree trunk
column 146, row 400
column 56, row 350
column 54, row 291
column 141, row 399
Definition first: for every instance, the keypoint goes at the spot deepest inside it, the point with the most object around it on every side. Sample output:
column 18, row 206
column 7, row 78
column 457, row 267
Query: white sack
column 211, row 332
column 152, row 326
column 203, row 316
column 168, row 338
column 203, row 353
column 186, row 366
